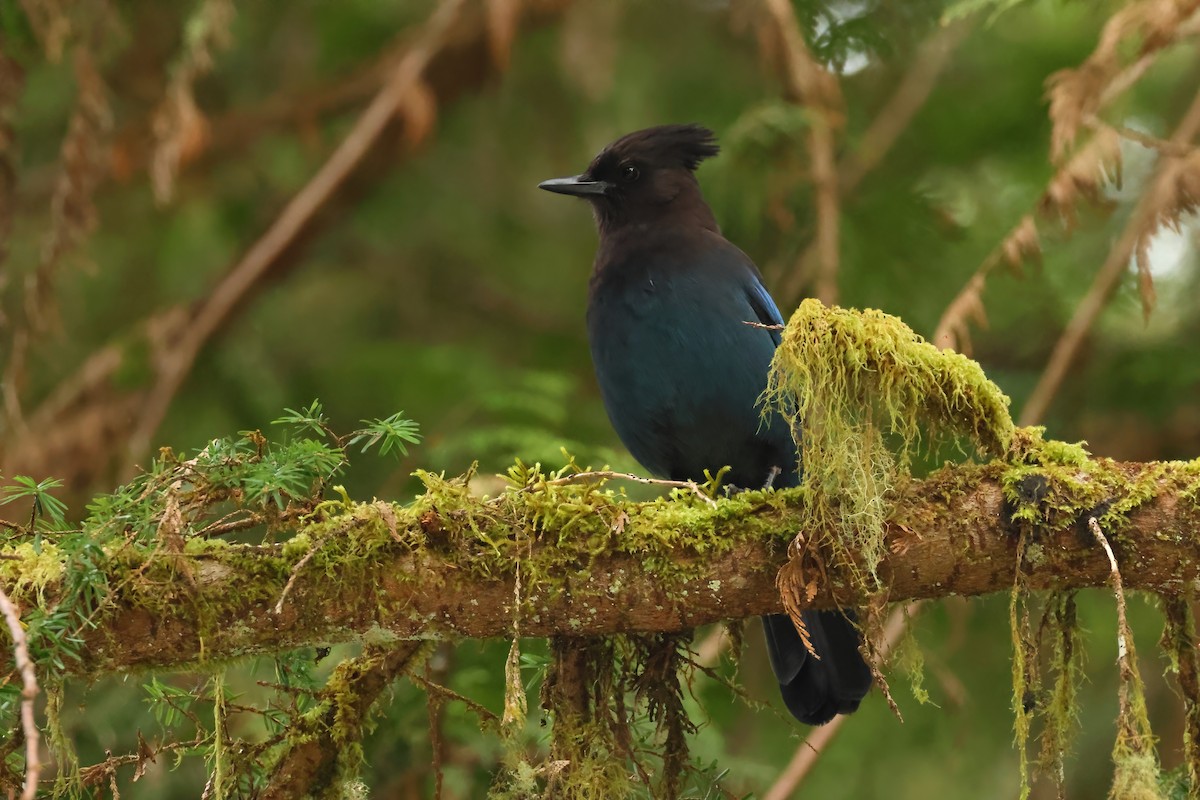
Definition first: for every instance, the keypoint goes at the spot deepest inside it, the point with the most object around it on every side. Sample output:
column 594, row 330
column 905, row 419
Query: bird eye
column 629, row 173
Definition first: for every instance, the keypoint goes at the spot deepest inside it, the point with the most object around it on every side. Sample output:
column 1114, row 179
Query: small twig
column 764, row 325
column 33, row 765
column 1132, row 73
column 312, row 551
column 806, row 82
column 94, row 774
column 485, row 714
column 227, row 525
column 1167, row 148
column 910, row 96
column 604, row 474
column 1133, row 727
column 821, row 144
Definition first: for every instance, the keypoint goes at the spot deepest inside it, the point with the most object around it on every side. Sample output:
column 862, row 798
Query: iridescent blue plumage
column 681, row 371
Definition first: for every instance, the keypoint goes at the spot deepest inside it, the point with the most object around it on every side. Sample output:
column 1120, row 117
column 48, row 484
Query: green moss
column 297, row 546
column 1179, row 643
column 1061, row 711
column 910, row 659
column 850, row 382
column 1024, row 674
column 1136, row 777
column 1054, row 486
column 30, row 568
column 196, row 546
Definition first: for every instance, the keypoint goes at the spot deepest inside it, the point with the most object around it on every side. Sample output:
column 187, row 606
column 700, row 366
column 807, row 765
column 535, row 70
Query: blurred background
column 211, row 212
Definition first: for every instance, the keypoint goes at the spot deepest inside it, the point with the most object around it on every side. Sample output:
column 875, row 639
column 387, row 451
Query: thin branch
column 1075, row 94
column 1163, row 146
column 902, row 106
column 29, row 692
column 1082, row 175
column 1133, row 728
column 1118, row 591
column 1141, row 224
column 825, row 183
column 486, row 715
column 881, row 135
column 308, row 767
column 403, row 87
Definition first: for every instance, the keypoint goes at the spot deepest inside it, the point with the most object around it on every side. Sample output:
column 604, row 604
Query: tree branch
column 1152, row 207
column 446, row 564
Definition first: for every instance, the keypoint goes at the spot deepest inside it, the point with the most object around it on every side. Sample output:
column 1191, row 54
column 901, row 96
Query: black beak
column 579, row 185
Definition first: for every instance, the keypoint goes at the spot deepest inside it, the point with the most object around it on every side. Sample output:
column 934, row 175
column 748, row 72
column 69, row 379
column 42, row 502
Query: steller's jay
column 681, row 372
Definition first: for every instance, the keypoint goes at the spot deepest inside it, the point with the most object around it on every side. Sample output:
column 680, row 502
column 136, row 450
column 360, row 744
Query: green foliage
column 391, row 434
column 45, row 505
column 233, row 486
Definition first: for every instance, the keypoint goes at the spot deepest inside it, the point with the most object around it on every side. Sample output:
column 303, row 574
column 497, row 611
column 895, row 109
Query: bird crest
column 667, row 146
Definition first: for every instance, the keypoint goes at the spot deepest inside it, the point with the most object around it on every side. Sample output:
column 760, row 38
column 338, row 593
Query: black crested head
column 665, row 146
column 646, row 176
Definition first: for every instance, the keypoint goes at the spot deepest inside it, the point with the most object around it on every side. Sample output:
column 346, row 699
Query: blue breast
column 680, row 371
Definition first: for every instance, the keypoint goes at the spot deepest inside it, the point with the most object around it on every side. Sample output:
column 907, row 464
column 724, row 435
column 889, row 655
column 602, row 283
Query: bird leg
column 771, row 476
column 730, row 490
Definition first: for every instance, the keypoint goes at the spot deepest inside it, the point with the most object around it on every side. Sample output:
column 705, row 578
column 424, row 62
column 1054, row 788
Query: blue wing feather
column 764, row 306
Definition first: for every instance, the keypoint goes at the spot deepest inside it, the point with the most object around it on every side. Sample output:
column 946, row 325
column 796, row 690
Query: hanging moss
column 862, row 391
column 1179, row 643
column 1060, row 712
column 1025, row 675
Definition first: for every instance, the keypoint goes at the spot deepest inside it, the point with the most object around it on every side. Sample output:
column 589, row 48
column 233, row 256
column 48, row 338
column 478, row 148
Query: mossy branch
column 594, row 563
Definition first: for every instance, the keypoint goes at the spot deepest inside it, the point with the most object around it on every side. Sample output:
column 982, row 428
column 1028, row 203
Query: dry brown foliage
column 1081, row 179
column 12, row 80
column 181, row 130
column 1076, row 94
column 82, row 163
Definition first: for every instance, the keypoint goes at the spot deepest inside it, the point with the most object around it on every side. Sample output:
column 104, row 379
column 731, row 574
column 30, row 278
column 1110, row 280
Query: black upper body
column 681, row 371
